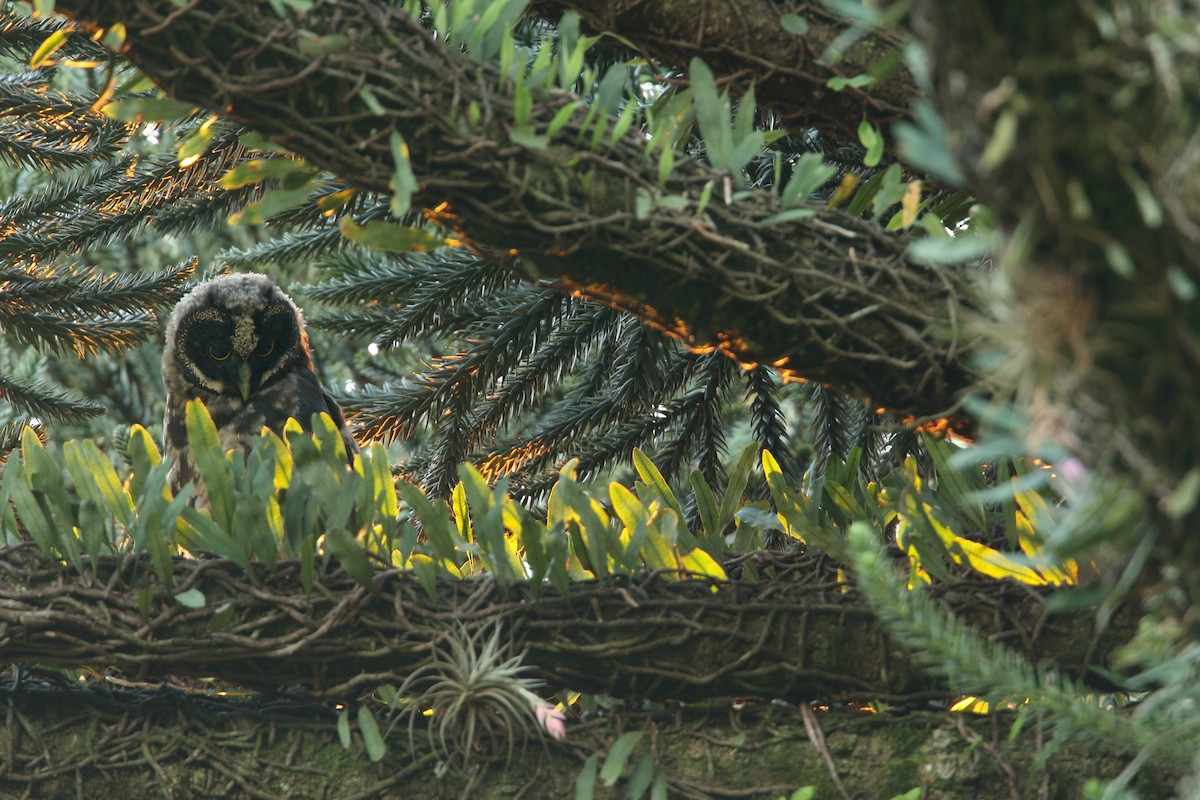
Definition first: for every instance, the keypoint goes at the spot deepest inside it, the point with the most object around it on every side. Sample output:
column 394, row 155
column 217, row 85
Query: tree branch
column 832, row 298
column 642, row 637
column 744, row 44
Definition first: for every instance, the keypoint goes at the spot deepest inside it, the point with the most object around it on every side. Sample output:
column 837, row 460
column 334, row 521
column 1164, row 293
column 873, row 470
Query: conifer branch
column 765, row 292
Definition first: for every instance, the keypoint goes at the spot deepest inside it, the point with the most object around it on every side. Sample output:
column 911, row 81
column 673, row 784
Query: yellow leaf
column 910, row 203
column 1031, row 506
column 995, row 564
column 701, row 563
column 971, row 704
column 845, row 189
column 49, row 48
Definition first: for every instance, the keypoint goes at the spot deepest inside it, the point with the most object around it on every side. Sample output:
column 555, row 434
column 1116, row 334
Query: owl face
column 238, row 344
column 234, row 335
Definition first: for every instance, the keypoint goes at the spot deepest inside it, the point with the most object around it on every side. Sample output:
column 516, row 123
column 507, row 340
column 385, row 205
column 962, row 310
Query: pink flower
column 1073, row 478
column 550, row 718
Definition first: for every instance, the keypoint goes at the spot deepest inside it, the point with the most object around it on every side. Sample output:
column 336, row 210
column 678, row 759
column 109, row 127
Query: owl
column 238, row 343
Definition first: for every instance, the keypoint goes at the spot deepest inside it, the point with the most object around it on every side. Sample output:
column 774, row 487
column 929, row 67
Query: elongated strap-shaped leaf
column 614, row 763
column 439, row 530
column 706, row 504
column 214, row 468
column 653, row 478
column 738, row 479
column 96, row 479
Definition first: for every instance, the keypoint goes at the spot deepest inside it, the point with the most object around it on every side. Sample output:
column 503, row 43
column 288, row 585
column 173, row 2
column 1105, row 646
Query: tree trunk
column 102, row 743
column 643, row 637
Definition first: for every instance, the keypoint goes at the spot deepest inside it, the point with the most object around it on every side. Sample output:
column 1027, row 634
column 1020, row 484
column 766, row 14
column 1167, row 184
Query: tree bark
column 745, row 45
column 644, row 637
column 832, row 298
column 114, row 742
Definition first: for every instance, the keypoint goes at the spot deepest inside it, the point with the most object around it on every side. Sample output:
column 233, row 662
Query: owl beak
column 244, row 381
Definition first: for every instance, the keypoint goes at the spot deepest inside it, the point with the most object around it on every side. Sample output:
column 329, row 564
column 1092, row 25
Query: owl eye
column 219, row 351
column 265, row 348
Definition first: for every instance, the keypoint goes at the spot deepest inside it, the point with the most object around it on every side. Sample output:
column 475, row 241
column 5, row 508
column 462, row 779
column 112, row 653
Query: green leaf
column 524, row 136
column 204, row 534
column 654, row 479
column 270, row 204
column 372, row 738
column 736, row 485
column 343, row 728
column 839, row 83
column 706, row 504
column 658, row 789
column 260, row 169
column 353, row 557
column 922, row 145
column 210, row 460
column 965, row 246
column 143, row 456
column 699, row 563
column 1119, row 259
column 623, row 122
column 192, row 598
column 390, row 237
column 403, row 183
column 156, row 538
column 159, row 109
column 252, row 140
column 794, row 23
column 587, row 522
column 1183, row 498
column 31, row 515
column 614, row 763
column 639, row 780
column 585, row 781
column 809, row 173
column 49, row 47
column 790, row 215
column 435, row 520
column 872, row 140
column 562, row 117
column 197, row 142
column 95, row 478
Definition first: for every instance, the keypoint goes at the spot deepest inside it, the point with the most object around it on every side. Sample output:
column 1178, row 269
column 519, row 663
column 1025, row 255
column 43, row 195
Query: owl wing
column 175, row 448
column 315, row 400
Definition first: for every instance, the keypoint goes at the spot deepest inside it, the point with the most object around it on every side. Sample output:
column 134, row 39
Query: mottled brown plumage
column 238, row 343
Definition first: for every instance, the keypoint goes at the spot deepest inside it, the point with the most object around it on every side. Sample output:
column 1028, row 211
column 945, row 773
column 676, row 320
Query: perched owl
column 238, row 343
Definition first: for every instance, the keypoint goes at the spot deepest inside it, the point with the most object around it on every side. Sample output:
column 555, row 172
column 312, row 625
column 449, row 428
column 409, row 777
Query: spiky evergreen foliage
column 87, row 195
column 466, row 361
